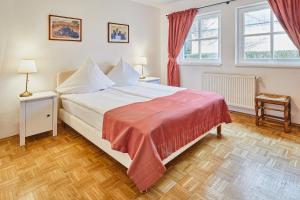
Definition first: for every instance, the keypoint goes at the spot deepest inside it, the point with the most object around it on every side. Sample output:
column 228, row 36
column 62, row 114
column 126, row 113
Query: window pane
column 257, row 47
column 257, row 21
column 210, row 49
column 191, row 49
column 194, row 32
column 284, row 48
column 209, row 27
column 203, row 42
column 277, row 25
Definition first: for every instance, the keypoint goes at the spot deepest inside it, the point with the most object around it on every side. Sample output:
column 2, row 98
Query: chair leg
column 257, row 112
column 262, row 111
column 290, row 114
column 219, row 131
column 286, row 119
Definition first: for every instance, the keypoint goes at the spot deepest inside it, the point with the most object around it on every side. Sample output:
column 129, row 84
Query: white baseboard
column 242, row 110
column 3, row 136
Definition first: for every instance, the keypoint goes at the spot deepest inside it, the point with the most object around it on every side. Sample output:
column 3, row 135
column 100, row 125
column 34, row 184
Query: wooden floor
column 248, row 163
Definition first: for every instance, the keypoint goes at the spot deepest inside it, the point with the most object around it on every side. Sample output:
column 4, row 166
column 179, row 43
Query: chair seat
column 273, row 98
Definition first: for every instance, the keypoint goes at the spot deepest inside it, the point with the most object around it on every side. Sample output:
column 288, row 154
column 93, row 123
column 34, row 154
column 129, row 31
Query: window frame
column 240, row 40
column 205, row 62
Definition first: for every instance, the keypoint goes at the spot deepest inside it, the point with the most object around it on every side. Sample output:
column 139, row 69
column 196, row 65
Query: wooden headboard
column 62, row 76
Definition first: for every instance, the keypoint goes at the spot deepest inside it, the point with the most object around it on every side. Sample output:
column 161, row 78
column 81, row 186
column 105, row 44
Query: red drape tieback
column 172, row 59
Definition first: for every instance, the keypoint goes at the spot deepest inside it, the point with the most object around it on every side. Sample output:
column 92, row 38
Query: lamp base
column 26, row 94
column 142, row 77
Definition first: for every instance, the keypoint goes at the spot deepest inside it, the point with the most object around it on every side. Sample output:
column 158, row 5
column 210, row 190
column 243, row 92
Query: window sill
column 202, row 64
column 269, row 65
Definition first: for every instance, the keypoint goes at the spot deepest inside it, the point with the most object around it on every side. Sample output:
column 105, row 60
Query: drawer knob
column 48, row 115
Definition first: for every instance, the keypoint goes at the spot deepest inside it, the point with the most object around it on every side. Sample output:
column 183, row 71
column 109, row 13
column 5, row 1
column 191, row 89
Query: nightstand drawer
column 39, row 116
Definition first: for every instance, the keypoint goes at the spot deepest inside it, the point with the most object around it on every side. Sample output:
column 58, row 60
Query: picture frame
column 63, row 28
column 118, row 33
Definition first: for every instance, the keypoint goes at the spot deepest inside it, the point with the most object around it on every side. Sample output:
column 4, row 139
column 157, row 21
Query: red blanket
column 150, row 131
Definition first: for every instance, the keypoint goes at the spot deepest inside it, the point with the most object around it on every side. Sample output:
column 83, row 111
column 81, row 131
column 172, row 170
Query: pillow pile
column 88, row 78
column 123, row 73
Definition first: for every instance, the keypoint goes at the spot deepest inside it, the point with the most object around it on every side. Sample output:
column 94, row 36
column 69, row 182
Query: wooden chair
column 280, row 100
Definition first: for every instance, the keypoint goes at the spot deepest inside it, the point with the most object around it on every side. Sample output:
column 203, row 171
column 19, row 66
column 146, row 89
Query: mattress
column 87, row 115
column 90, row 107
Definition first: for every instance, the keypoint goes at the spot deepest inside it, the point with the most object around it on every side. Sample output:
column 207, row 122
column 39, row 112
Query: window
column 261, row 38
column 203, row 41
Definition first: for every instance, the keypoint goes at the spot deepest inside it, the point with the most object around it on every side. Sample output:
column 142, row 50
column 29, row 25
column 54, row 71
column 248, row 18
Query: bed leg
column 145, row 191
column 219, row 131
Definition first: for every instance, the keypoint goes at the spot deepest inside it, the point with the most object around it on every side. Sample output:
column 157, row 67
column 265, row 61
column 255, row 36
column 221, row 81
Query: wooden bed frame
column 95, row 136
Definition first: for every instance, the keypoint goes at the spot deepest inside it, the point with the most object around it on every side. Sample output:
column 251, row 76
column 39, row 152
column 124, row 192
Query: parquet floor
column 248, row 163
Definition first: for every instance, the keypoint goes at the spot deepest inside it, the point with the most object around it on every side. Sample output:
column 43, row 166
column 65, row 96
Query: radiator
column 238, row 90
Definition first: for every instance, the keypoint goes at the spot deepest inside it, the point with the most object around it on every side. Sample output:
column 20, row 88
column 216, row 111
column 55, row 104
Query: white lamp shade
column 141, row 61
column 27, row 66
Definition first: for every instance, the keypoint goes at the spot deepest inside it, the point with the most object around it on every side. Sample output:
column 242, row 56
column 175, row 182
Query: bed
column 85, row 112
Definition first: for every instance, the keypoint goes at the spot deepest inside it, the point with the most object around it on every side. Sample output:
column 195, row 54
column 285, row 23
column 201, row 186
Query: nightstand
column 155, row 80
column 38, row 114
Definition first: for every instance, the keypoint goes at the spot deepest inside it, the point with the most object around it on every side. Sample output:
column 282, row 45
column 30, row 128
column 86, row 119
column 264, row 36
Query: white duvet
column 148, row 90
column 117, row 96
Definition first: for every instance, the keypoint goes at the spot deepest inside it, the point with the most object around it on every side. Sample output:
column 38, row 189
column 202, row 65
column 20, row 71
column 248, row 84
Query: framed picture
column 118, row 33
column 65, row 28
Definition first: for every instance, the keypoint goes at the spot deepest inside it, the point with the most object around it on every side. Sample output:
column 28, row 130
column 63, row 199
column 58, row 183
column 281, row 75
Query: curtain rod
column 216, row 4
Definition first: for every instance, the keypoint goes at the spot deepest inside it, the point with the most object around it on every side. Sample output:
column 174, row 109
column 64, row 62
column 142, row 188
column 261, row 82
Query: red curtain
column 288, row 14
column 179, row 25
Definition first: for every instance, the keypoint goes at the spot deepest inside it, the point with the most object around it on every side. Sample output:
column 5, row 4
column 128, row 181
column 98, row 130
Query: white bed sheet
column 103, row 101
column 148, row 90
column 117, row 96
column 90, row 107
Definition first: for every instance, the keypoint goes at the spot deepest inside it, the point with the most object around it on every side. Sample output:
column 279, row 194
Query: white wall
column 24, row 34
column 283, row 81
column 5, row 8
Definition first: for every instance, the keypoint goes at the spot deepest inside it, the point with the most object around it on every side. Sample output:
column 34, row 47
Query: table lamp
column 27, row 67
column 142, row 61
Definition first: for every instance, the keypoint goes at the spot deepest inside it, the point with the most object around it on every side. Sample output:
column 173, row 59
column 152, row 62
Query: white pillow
column 123, row 73
column 88, row 78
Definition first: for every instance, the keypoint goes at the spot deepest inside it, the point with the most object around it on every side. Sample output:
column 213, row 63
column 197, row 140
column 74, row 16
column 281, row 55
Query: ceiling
column 157, row 3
